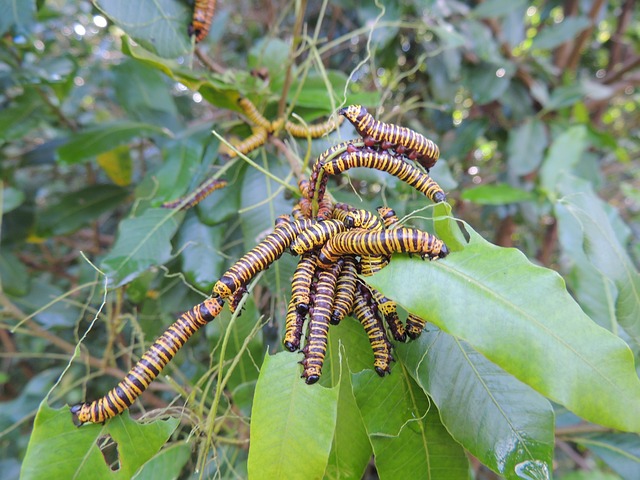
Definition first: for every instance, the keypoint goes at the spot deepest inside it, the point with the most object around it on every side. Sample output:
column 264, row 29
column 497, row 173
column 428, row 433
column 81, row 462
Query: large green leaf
column 621, row 451
column 59, row 449
column 581, row 208
column 497, row 8
column 103, row 138
column 408, row 439
column 167, row 464
column 142, row 242
column 158, row 25
column 292, row 423
column 505, row 423
column 521, row 317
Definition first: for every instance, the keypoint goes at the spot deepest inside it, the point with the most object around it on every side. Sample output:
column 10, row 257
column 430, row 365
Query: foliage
column 527, row 364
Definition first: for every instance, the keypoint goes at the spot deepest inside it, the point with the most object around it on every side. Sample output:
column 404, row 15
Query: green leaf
column 10, row 198
column 554, row 35
column 158, row 25
column 621, row 451
column 77, row 209
column 292, row 423
column 485, row 86
column 142, row 242
column 408, row 439
column 14, row 276
column 523, row 320
column 23, row 113
column 497, row 8
column 143, row 92
column 506, row 423
column 350, row 449
column 602, row 248
column 498, row 194
column 526, row 146
column 167, row 464
column 104, row 138
column 20, row 13
column 54, row 432
column 201, row 260
column 219, row 90
column 565, row 152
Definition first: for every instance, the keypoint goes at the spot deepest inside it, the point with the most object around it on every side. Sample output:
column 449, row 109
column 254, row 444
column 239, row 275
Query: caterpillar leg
column 149, row 366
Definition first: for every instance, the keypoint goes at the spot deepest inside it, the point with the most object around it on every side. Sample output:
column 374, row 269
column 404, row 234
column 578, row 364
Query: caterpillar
column 327, row 155
column 389, row 217
column 316, row 235
column 149, row 366
column 370, row 264
column 202, row 192
column 301, row 283
column 316, row 346
column 249, row 144
column 345, row 290
column 389, row 310
column 415, row 325
column 259, row 258
column 387, row 163
column 293, row 327
column 325, row 208
column 366, row 315
column 383, row 242
column 302, row 209
column 202, row 17
column 253, row 114
column 313, row 131
column 360, row 218
column 403, row 140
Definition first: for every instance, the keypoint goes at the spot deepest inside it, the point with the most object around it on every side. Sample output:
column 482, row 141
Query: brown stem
column 67, row 122
column 562, row 53
column 579, row 43
column 615, row 56
column 548, row 243
column 208, row 62
column 291, row 158
column 578, row 459
column 504, row 236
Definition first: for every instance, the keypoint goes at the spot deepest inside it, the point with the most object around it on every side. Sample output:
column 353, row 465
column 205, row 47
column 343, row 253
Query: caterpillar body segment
column 253, row 114
column 320, row 315
column 301, row 283
column 389, row 217
column 389, row 310
column 404, row 140
column 149, row 366
column 316, row 235
column 384, row 242
column 366, row 314
column 293, row 327
column 316, row 130
column 259, row 258
column 345, row 290
column 415, row 325
column 201, row 20
column 203, row 191
column 391, row 164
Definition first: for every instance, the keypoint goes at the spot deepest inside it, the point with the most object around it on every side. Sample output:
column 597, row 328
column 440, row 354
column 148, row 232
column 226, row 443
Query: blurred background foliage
column 107, row 111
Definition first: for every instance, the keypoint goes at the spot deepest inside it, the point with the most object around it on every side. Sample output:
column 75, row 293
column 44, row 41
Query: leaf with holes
column 63, row 450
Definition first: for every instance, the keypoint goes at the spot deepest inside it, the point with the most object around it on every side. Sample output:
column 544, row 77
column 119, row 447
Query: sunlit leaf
column 499, row 194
